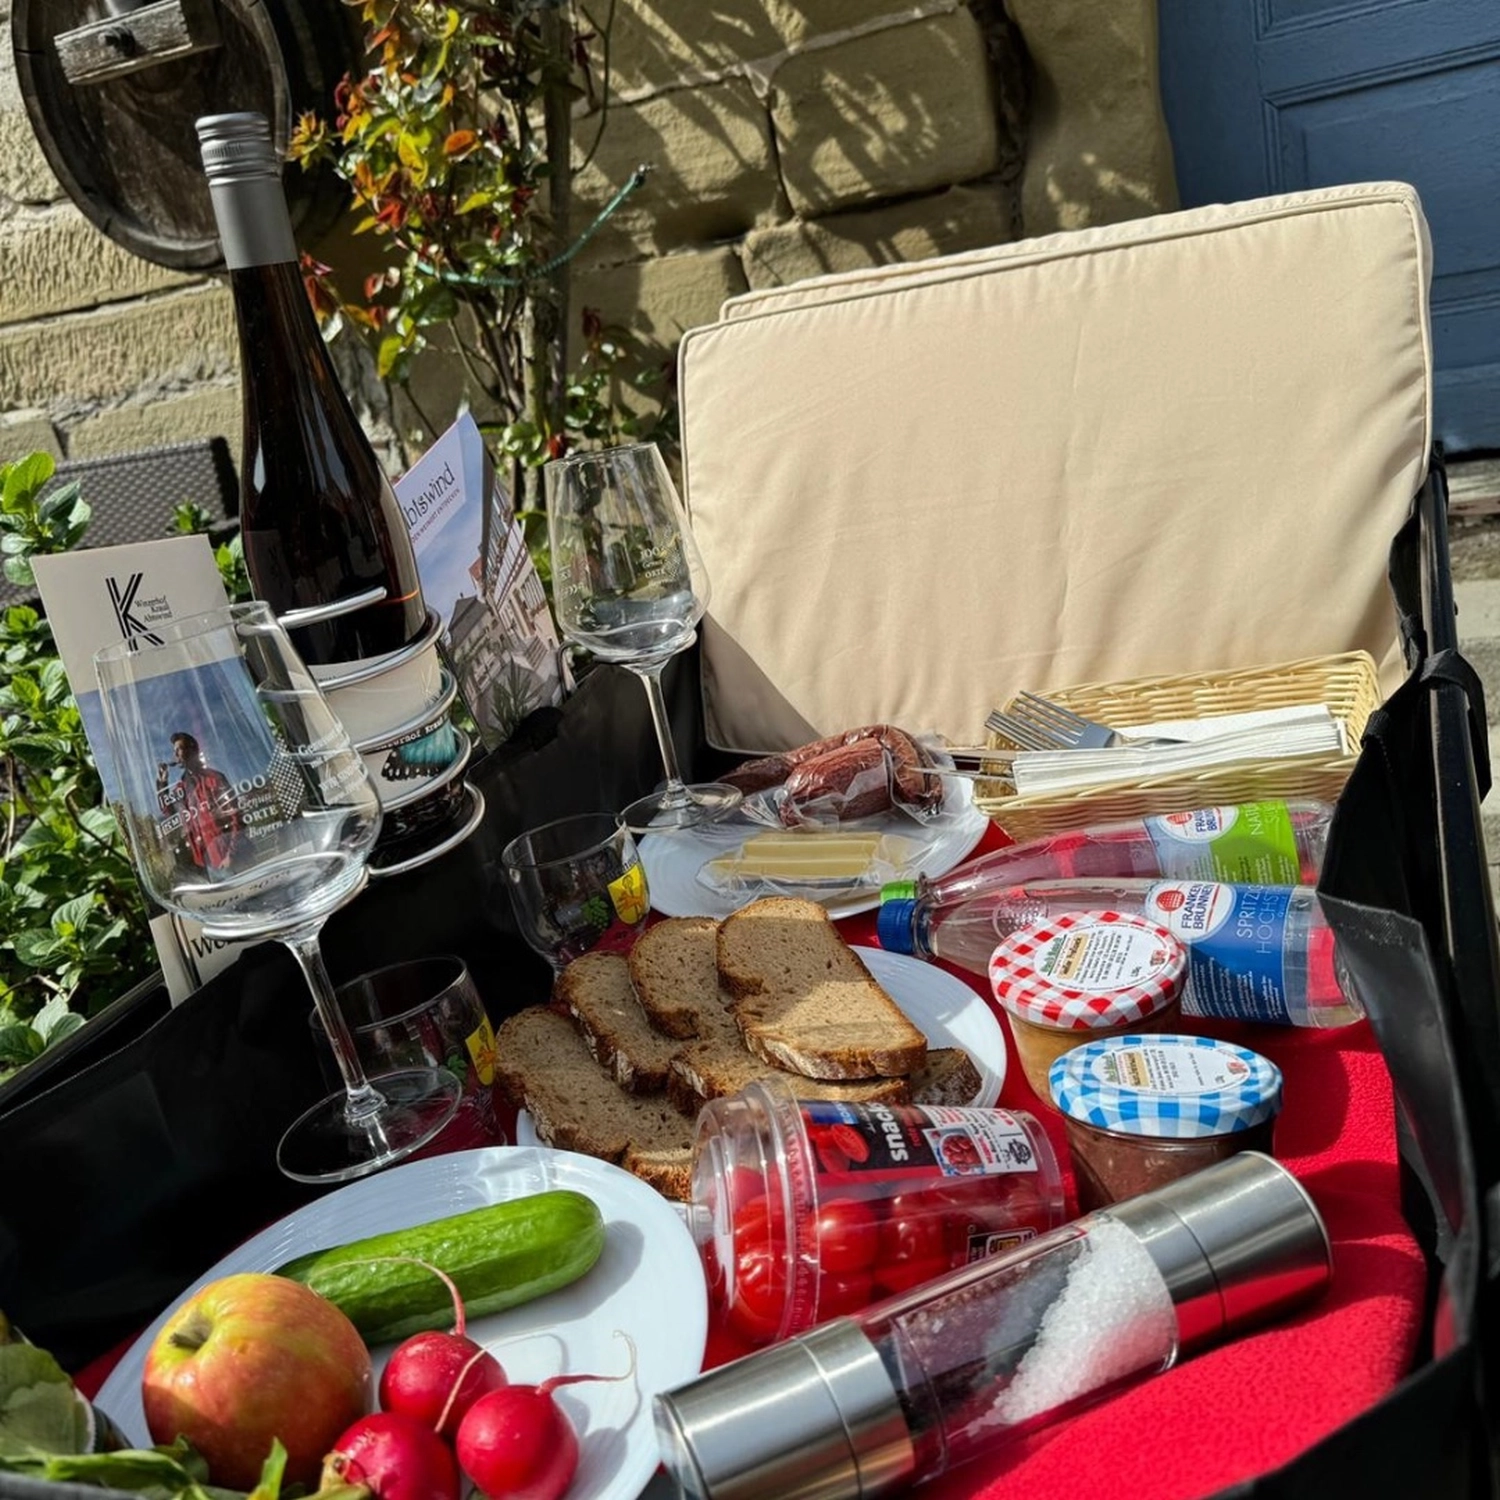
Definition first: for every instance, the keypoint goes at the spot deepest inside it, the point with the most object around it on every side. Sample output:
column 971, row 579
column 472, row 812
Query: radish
column 436, row 1377
column 516, row 1443
column 395, row 1457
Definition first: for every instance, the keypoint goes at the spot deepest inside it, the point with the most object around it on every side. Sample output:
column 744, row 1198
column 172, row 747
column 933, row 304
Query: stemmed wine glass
column 629, row 585
column 249, row 811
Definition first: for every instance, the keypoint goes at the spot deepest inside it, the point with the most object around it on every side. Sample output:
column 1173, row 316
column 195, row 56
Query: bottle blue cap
column 893, row 925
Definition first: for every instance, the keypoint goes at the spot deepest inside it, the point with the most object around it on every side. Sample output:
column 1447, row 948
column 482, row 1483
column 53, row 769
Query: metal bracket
column 131, row 40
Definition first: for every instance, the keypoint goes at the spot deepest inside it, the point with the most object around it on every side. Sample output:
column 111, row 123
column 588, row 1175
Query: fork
column 1037, row 723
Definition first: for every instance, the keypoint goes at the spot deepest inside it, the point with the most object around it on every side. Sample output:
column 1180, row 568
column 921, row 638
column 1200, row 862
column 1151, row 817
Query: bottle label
column 871, row 1142
column 1236, row 937
column 1253, row 843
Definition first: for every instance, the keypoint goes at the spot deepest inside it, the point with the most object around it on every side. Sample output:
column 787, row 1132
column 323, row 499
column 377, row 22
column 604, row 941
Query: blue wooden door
column 1270, row 96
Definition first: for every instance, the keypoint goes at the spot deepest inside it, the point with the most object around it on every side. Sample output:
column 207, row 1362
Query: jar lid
column 1080, row 970
column 1168, row 1085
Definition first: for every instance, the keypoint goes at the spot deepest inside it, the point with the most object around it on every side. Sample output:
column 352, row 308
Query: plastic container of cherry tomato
column 809, row 1209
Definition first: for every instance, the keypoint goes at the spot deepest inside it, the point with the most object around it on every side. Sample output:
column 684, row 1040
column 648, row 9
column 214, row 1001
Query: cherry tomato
column 760, row 1293
column 901, row 1275
column 913, row 1229
column 848, row 1233
column 846, row 1292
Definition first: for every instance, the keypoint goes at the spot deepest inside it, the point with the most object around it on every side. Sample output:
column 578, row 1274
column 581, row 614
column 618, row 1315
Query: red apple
column 250, row 1358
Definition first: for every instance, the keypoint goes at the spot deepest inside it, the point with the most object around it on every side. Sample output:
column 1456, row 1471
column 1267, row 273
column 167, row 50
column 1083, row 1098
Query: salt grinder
column 927, row 1380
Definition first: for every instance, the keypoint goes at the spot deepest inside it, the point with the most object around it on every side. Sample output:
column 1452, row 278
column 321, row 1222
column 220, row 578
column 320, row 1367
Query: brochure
column 100, row 595
column 498, row 634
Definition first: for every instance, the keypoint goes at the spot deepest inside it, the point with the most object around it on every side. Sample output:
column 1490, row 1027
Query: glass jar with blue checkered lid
column 1141, row 1111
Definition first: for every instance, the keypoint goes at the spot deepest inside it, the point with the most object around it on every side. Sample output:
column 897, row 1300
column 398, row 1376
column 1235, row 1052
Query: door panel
column 1270, row 96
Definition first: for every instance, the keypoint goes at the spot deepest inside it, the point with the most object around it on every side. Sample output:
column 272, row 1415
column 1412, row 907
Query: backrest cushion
column 1180, row 444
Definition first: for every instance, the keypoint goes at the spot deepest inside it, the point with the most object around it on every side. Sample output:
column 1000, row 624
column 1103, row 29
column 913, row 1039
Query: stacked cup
column 396, row 709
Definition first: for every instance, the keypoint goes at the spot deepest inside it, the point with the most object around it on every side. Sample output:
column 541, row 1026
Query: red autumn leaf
column 460, row 142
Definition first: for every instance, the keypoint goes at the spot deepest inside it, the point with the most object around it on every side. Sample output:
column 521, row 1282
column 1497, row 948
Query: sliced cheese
column 796, row 857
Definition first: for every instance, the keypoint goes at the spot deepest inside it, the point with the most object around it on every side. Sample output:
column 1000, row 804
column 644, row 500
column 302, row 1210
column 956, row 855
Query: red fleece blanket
column 1253, row 1404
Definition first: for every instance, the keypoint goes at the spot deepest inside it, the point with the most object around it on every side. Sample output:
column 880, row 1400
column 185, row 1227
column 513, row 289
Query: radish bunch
column 442, row 1391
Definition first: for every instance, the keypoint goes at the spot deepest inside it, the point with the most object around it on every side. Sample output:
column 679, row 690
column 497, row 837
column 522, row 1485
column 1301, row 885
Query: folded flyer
column 498, row 634
column 95, row 597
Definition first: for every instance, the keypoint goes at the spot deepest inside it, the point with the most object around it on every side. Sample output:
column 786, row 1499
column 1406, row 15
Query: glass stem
column 362, row 1101
column 650, row 674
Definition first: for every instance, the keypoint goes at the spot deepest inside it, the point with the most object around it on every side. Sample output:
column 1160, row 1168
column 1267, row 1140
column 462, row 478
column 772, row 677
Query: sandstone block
column 1099, row 151
column 25, row 176
column 177, row 338
column 27, row 431
column 657, row 301
column 960, row 218
column 56, row 261
column 664, row 44
column 660, row 44
column 713, row 172
column 799, row 21
column 212, row 411
column 906, row 109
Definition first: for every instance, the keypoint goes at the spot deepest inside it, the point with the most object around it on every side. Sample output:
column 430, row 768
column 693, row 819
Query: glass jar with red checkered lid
column 1078, row 976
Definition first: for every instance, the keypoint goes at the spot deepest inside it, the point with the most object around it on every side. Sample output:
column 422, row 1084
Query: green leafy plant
column 455, row 148
column 71, row 910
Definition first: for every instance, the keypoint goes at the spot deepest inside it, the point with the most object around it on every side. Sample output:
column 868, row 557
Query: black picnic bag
column 143, row 1150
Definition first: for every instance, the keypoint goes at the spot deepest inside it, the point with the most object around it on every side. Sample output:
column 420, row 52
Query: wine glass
column 249, row 811
column 629, row 585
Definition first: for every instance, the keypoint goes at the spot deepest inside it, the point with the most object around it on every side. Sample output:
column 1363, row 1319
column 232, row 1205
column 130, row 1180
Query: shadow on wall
column 745, row 127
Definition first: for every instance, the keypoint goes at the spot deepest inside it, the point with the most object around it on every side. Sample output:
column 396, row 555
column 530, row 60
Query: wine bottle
column 320, row 524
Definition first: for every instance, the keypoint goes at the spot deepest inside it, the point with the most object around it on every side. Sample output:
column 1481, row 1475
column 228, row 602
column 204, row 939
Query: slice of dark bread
column 949, row 1077
column 675, row 969
column 804, row 1001
column 546, row 1069
column 598, row 994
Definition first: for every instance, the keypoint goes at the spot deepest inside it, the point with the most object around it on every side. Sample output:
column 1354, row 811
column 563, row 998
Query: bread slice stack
column 630, row 1050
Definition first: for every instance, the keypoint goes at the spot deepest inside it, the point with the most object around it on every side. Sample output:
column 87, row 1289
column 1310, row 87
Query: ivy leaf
column 19, row 1045
column 22, row 479
column 73, row 914
column 36, row 947
column 65, row 1024
column 99, row 821
column 59, row 502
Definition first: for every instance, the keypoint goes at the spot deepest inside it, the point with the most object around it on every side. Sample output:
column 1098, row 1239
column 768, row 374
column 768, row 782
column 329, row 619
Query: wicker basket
column 1348, row 684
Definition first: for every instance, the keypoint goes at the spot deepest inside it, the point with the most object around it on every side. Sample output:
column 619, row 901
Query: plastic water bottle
column 1256, row 952
column 1267, row 843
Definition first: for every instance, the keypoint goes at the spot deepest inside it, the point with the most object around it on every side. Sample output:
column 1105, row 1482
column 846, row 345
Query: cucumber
column 498, row 1256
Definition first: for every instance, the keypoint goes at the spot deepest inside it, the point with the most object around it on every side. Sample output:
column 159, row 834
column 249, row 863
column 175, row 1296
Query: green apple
column 249, row 1358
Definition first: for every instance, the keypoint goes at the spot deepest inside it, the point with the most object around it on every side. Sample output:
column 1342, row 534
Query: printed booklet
column 95, row 597
column 498, row 634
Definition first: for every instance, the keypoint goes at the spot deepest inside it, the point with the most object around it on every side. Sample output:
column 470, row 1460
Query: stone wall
column 785, row 138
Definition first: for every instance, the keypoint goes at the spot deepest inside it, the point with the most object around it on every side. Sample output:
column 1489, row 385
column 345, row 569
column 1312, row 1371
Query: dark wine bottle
column 322, row 530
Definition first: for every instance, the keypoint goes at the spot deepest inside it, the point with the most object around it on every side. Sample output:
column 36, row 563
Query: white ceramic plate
column 672, row 860
column 948, row 1011
column 648, row 1283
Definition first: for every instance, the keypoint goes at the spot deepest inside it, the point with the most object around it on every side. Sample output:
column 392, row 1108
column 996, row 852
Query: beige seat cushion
column 1180, row 444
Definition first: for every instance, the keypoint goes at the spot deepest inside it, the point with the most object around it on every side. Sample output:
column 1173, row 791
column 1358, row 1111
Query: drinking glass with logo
column 577, row 884
column 630, row 586
column 248, row 810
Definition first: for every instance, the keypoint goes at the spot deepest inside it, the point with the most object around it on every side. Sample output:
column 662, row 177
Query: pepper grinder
column 934, row 1377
